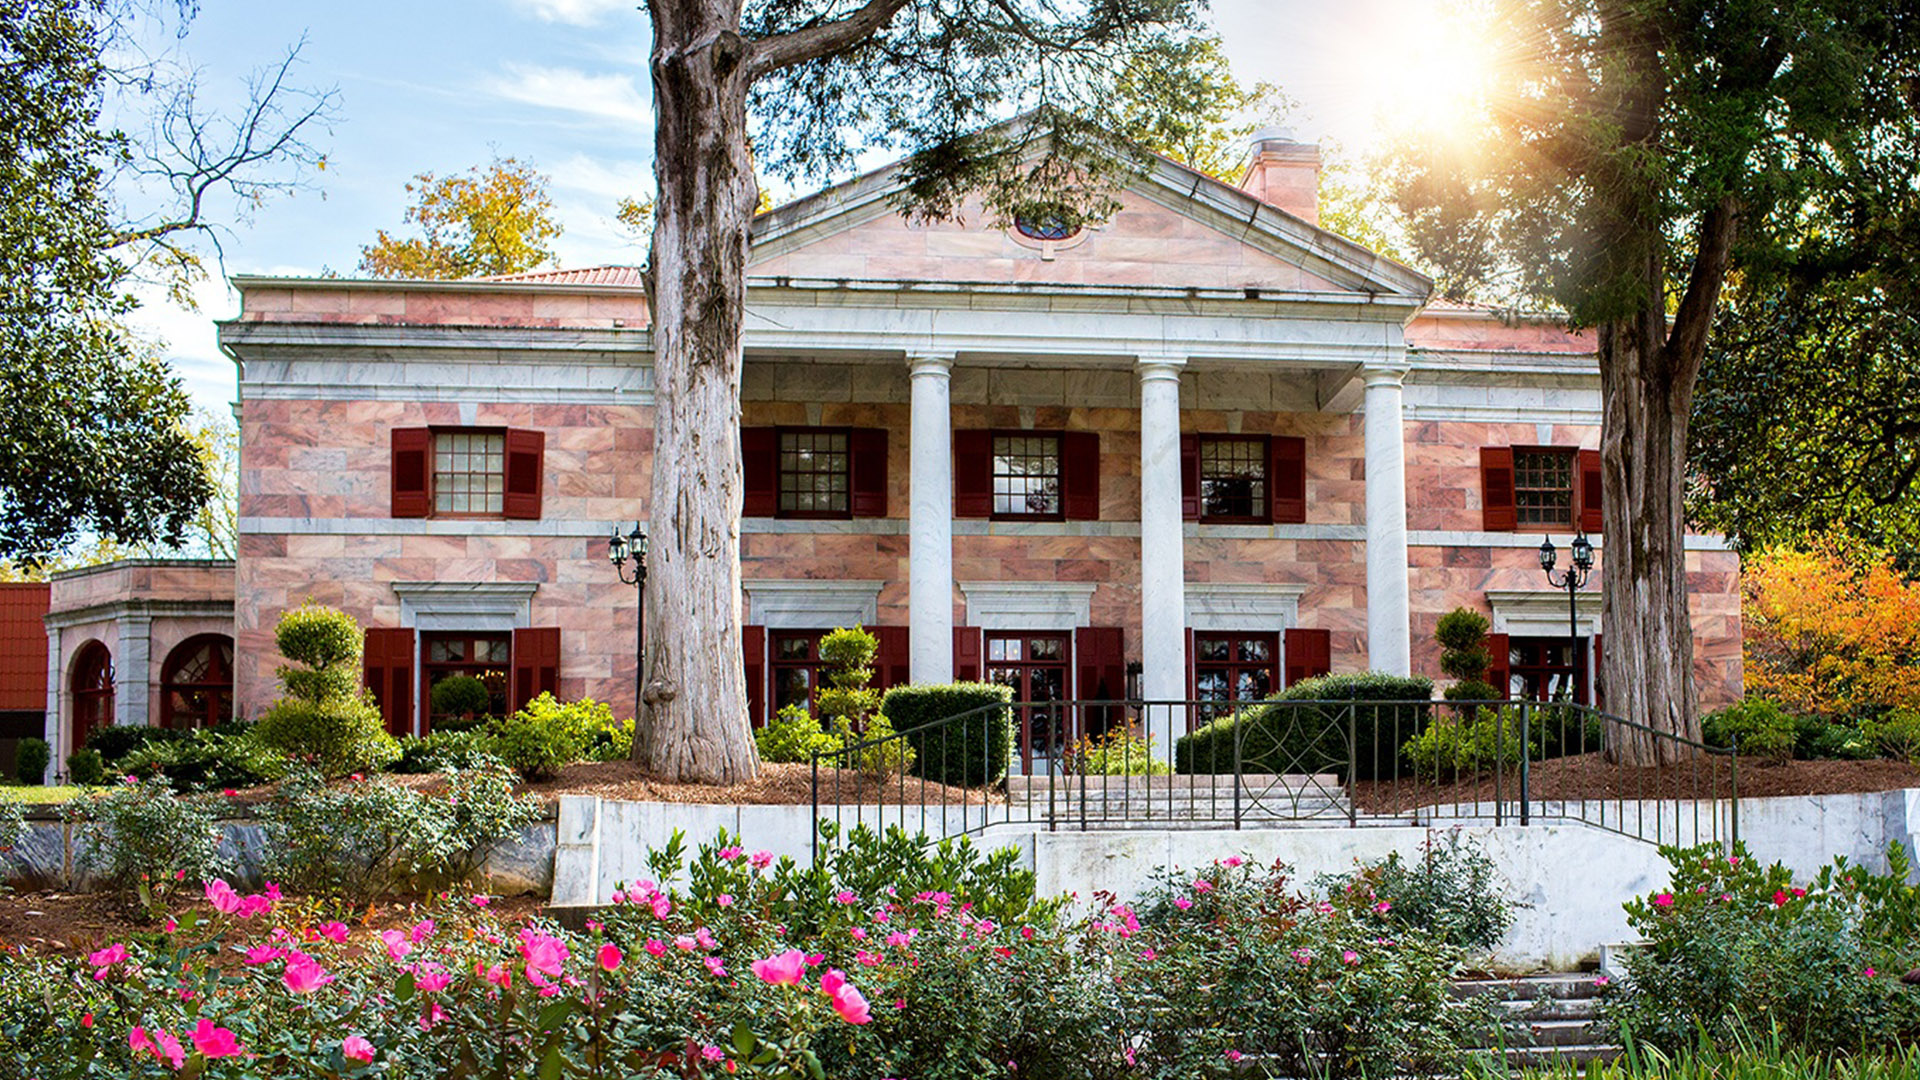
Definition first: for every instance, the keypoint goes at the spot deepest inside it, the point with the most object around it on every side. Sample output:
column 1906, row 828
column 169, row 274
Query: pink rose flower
column 761, row 859
column 499, row 976
column 213, row 1042
column 430, row 978
column 421, row 931
column 1349, row 957
column 304, row 974
column 656, row 948
column 782, row 969
column 355, row 1048
column 397, row 944
column 158, row 1043
column 1664, row 899
column 847, row 999
column 265, row 954
column 222, row 897
column 845, row 896
column 544, row 954
column 724, row 899
column 610, row 957
column 1182, row 903
column 104, row 960
column 335, row 932
column 715, row 966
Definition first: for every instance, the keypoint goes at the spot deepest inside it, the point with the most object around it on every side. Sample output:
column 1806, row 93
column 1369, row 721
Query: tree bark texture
column 695, row 725
column 1649, row 365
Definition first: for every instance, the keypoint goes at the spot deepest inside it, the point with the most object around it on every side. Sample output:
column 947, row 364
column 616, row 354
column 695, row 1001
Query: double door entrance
column 1037, row 667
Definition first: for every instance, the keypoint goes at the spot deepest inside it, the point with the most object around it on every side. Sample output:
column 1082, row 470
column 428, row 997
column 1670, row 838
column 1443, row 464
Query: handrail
column 1112, row 763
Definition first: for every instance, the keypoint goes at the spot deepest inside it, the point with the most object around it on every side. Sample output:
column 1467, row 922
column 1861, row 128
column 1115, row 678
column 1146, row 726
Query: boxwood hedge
column 970, row 751
column 1303, row 729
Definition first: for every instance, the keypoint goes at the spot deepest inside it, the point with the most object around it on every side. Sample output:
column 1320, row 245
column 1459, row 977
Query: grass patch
column 54, row 793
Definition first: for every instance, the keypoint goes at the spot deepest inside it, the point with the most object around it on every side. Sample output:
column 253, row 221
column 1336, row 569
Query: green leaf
column 552, row 1014
column 743, row 1039
column 550, row 1065
column 403, row 990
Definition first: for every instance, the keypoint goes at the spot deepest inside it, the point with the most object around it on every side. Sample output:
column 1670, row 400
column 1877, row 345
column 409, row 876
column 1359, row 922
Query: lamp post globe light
column 619, row 550
column 1571, row 580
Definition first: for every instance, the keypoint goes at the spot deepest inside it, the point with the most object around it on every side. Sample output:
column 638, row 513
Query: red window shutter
column 411, row 472
column 891, row 661
column 526, row 469
column 753, row 648
column 387, row 670
column 1190, row 477
column 1500, row 668
column 536, row 663
column 1080, row 475
column 1309, row 653
column 966, row 654
column 1590, row 490
column 1100, row 654
column 1287, row 479
column 867, row 484
column 760, row 471
column 972, row 474
column 1496, row 489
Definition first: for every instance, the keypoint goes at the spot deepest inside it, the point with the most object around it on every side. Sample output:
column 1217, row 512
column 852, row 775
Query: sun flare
column 1432, row 67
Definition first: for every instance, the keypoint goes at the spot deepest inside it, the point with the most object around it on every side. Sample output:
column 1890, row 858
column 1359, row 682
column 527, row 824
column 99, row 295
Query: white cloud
column 606, row 181
column 612, row 97
column 574, row 12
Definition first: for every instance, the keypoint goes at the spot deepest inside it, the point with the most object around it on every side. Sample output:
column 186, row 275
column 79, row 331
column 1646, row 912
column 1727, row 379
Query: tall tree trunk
column 695, row 724
column 1649, row 654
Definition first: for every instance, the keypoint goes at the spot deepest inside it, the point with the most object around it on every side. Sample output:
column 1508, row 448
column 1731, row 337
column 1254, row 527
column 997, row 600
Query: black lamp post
column 619, row 549
column 1571, row 580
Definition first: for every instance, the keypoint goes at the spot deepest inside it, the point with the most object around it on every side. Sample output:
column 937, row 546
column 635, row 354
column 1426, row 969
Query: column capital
column 1152, row 368
column 929, row 363
column 1384, row 374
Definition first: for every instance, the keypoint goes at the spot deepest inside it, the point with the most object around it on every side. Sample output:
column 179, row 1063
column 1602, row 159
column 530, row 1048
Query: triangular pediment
column 1175, row 228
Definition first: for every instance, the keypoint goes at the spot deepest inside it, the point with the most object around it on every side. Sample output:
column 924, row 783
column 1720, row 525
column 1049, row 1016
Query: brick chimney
column 1285, row 173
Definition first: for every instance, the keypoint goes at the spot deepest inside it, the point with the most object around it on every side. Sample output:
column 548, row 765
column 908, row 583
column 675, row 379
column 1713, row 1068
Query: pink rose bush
column 857, row 971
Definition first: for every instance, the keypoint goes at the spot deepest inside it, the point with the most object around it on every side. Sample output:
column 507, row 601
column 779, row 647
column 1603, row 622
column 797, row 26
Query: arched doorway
column 92, row 686
column 196, row 683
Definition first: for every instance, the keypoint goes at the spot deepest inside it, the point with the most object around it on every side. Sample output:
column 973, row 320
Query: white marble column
column 930, row 521
column 132, row 671
column 1389, row 639
column 1163, row 565
column 55, row 729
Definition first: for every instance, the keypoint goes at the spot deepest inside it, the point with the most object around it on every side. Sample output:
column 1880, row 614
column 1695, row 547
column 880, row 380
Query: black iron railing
column 1089, row 765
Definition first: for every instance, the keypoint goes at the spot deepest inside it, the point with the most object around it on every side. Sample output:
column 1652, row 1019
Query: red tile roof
column 590, row 275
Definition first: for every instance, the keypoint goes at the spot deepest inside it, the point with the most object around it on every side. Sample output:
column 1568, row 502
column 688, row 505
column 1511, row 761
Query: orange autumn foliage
column 1831, row 628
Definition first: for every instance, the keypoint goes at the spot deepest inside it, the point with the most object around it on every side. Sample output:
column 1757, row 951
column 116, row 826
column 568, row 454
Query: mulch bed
column 777, row 785
column 1591, row 777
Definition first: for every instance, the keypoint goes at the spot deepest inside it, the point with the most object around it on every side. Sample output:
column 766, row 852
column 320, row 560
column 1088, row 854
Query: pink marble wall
column 330, row 460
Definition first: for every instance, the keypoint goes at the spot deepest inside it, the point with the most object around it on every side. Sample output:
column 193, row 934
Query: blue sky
column 443, row 86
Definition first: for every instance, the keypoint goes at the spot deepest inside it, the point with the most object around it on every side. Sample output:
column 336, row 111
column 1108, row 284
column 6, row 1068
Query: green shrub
column 439, row 750
column 1452, row 891
column 86, row 768
column 611, row 742
column 1456, row 746
column 547, row 735
column 846, row 659
column 1896, row 732
column 148, row 844
column 874, row 751
column 363, row 839
column 325, row 718
column 1824, row 739
column 208, row 759
column 1462, row 634
column 1731, row 946
column 969, row 752
column 30, row 760
column 1277, row 737
column 116, row 741
column 794, row 736
column 1759, row 727
column 460, row 696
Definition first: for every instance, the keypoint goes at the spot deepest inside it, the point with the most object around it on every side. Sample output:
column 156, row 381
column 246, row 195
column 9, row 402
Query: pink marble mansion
column 1203, row 449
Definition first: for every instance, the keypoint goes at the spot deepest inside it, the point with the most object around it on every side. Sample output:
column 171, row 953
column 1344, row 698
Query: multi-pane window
column 1236, row 666
column 469, row 472
column 487, row 657
column 1034, row 667
column 1026, row 475
column 815, row 473
column 1233, row 479
column 797, row 672
column 1543, row 487
column 1547, row 668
